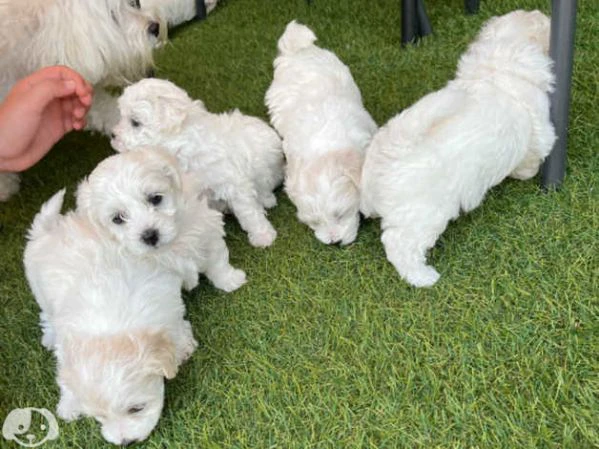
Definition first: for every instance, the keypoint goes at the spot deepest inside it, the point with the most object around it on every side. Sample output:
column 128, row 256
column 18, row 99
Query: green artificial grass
column 326, row 347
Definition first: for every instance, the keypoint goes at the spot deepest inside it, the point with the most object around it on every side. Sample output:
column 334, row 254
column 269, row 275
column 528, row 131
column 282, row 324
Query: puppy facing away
column 441, row 155
column 108, row 42
column 238, row 158
column 175, row 12
column 316, row 107
column 111, row 307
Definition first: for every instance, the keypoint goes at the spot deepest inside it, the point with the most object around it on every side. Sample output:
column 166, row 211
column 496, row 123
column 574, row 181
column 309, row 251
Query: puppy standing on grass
column 238, row 158
column 108, row 280
column 442, row 154
column 317, row 108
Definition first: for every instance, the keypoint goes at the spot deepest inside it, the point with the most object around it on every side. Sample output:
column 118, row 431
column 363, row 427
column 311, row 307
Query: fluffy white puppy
column 108, row 42
column 316, row 107
column 237, row 158
column 441, row 155
column 111, row 307
column 175, row 12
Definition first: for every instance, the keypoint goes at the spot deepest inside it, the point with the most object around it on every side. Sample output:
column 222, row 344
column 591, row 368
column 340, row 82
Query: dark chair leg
column 424, row 25
column 472, row 6
column 414, row 21
column 408, row 29
column 561, row 49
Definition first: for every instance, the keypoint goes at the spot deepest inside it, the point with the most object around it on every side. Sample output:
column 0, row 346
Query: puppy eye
column 118, row 219
column 135, row 123
column 135, row 409
column 155, row 199
column 135, row 4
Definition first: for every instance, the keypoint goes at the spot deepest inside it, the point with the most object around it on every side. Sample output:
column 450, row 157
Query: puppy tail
column 295, row 38
column 47, row 218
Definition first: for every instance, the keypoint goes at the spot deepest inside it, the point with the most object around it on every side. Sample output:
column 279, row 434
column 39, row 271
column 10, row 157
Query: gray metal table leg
column 472, row 6
column 414, row 21
column 561, row 49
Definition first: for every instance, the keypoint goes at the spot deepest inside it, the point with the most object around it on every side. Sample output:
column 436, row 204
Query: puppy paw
column 269, row 200
column 66, row 411
column 230, row 281
column 262, row 239
column 424, row 277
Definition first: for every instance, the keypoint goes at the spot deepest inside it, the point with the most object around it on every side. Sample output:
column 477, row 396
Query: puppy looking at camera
column 109, row 42
column 108, row 279
column 316, row 107
column 238, row 158
column 441, row 155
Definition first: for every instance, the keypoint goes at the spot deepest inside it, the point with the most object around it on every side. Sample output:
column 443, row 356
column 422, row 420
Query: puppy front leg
column 68, row 407
column 252, row 219
column 541, row 142
column 185, row 343
column 407, row 252
column 104, row 113
column 218, row 269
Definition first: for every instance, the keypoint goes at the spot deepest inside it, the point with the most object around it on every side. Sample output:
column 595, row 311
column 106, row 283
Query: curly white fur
column 111, row 307
column 175, row 12
column 316, row 107
column 108, row 42
column 238, row 158
column 441, row 155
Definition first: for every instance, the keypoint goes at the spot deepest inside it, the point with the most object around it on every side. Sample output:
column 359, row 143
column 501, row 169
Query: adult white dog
column 238, row 158
column 108, row 280
column 441, row 155
column 108, row 42
column 316, row 107
column 175, row 12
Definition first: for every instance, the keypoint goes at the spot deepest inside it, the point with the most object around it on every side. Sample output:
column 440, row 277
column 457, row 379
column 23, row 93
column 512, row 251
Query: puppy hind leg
column 48, row 336
column 406, row 250
column 218, row 269
column 252, row 219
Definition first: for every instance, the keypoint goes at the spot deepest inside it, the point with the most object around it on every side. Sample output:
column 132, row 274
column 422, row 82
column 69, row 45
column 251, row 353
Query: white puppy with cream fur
column 108, row 279
column 175, row 12
column 238, row 158
column 108, row 42
column 316, row 107
column 440, row 156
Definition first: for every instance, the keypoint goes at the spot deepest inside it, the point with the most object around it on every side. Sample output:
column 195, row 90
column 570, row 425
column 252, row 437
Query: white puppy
column 238, row 158
column 317, row 108
column 441, row 155
column 108, row 42
column 111, row 307
column 175, row 12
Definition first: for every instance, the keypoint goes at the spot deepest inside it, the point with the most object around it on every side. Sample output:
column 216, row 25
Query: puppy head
column 113, row 42
column 118, row 380
column 526, row 26
column 152, row 111
column 325, row 193
column 135, row 199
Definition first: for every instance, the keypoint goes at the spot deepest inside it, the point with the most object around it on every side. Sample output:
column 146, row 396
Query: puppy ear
column 84, row 195
column 170, row 169
column 351, row 162
column 173, row 110
column 159, row 353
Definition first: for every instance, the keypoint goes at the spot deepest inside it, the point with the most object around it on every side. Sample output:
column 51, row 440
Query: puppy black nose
column 154, row 29
column 112, row 135
column 150, row 237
